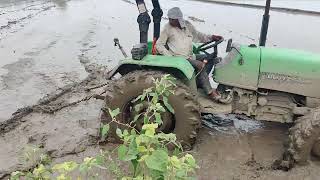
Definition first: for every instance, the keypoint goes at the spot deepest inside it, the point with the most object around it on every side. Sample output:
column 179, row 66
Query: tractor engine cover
column 139, row 51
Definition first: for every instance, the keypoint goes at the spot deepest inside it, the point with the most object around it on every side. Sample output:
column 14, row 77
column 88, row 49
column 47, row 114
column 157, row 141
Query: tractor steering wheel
column 211, row 44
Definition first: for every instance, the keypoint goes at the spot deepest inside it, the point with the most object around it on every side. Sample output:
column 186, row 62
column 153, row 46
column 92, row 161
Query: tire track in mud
column 17, row 18
column 30, row 16
column 63, row 123
column 95, row 73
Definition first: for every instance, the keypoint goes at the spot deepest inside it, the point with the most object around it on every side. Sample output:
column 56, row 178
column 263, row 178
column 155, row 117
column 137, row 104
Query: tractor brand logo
column 281, row 78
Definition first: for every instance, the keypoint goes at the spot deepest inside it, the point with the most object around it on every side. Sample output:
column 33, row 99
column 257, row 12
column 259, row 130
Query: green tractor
column 267, row 84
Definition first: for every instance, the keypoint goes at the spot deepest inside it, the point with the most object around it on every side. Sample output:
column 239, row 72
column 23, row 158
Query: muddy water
column 44, row 46
column 42, row 41
column 312, row 5
column 42, row 53
column 242, row 156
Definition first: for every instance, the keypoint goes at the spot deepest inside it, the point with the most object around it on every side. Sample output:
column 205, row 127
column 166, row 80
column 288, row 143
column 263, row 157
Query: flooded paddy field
column 52, row 46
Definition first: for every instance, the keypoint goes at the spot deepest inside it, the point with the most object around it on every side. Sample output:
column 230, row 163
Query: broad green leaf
column 143, row 158
column 158, row 118
column 168, row 106
column 160, row 108
column 191, row 161
column 114, row 113
column 119, row 133
column 122, row 151
column 145, row 119
column 137, row 98
column 155, row 98
column 166, row 94
column 136, row 118
column 149, row 126
column 100, row 159
column 105, row 130
column 129, row 157
column 41, row 171
column 175, row 162
column 142, row 149
column 138, row 107
column 171, row 137
column 150, row 129
column 62, row 177
column 125, row 133
column 181, row 174
column 150, row 132
column 142, row 139
column 132, row 151
column 158, row 160
column 143, row 97
column 16, row 175
column 157, row 175
column 65, row 167
column 176, row 152
column 133, row 132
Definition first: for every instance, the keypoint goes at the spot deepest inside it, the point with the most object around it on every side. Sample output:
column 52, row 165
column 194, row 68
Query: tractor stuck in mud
column 55, row 56
column 267, row 84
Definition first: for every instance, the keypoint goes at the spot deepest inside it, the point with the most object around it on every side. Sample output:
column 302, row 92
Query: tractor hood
column 292, row 71
column 285, row 70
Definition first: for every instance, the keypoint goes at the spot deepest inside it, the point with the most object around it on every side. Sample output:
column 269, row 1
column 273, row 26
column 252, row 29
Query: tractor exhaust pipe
column 143, row 21
column 157, row 14
column 265, row 24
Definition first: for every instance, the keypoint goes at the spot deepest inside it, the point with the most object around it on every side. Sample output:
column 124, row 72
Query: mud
column 63, row 123
column 58, row 51
column 303, row 141
column 243, row 156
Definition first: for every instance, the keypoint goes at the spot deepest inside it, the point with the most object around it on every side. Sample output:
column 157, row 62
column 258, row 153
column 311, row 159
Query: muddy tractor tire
column 304, row 137
column 185, row 121
column 303, row 141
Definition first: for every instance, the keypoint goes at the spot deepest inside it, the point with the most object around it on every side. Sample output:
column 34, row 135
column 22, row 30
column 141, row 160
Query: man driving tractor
column 176, row 39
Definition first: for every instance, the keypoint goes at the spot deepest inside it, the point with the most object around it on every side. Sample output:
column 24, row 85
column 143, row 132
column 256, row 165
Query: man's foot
column 215, row 95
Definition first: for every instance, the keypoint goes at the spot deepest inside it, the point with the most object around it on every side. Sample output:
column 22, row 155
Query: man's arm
column 198, row 37
column 162, row 41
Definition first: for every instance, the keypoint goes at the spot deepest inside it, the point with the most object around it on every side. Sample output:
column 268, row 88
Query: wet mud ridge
column 63, row 123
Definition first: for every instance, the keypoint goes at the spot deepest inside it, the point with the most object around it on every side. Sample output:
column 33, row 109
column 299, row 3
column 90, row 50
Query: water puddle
column 230, row 123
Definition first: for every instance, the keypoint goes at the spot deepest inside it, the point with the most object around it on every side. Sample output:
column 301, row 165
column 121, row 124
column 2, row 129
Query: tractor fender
column 177, row 66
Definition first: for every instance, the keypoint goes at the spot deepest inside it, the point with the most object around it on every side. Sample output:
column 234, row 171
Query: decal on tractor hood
column 282, row 78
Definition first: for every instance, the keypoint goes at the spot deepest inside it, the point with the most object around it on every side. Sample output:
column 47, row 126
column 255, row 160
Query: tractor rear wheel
column 185, row 121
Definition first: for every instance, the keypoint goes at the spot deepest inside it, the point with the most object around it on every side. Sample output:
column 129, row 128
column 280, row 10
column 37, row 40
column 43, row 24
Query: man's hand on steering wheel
column 213, row 43
column 216, row 37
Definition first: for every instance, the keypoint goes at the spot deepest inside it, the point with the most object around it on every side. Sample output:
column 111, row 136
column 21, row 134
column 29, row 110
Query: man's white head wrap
column 176, row 13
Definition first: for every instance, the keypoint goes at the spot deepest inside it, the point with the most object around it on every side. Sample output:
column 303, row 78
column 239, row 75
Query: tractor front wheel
column 303, row 141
